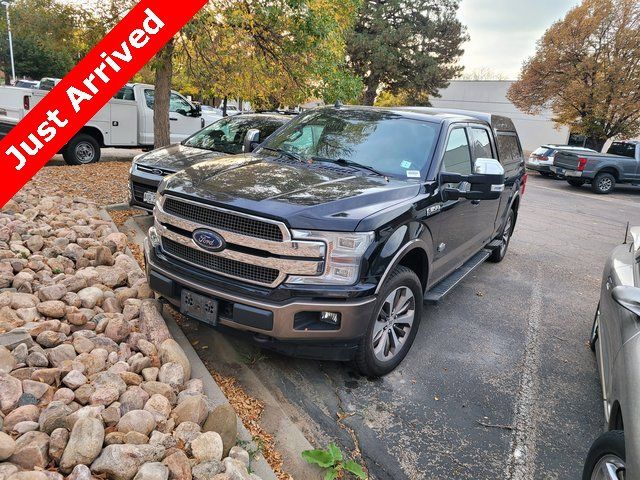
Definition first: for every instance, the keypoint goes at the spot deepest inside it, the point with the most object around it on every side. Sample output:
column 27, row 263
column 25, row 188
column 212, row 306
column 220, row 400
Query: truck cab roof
column 497, row 122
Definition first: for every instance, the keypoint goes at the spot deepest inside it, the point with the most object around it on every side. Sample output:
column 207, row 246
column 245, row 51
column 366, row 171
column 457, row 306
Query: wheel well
column 615, row 418
column 95, row 133
column 610, row 170
column 417, row 261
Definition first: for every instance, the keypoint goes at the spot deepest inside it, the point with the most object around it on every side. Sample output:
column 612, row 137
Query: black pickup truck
column 621, row 164
column 326, row 240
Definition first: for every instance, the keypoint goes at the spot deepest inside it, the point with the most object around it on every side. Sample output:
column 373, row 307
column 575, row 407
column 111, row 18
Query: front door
column 456, row 220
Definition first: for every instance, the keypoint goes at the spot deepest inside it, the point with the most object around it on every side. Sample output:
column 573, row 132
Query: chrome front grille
column 247, row 256
column 223, row 220
column 225, row 266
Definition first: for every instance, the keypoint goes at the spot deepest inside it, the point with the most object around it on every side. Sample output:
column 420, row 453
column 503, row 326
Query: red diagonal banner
column 88, row 87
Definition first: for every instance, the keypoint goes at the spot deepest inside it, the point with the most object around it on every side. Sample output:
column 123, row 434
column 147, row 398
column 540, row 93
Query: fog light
column 331, row 318
column 154, row 238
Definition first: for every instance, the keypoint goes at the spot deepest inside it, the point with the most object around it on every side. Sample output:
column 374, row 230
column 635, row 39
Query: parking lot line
column 521, row 465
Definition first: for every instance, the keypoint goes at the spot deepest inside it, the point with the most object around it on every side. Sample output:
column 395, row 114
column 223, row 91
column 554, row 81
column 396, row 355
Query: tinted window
column 457, row 158
column 227, row 135
column 623, row 149
column 480, row 143
column 508, row 148
column 178, row 104
column 543, row 151
column 388, row 142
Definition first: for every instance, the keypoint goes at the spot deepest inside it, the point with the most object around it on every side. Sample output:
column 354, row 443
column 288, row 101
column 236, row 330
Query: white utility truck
column 125, row 122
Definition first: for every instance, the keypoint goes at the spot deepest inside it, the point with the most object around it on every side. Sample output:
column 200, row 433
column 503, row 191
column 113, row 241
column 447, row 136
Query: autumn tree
column 406, row 46
column 587, row 70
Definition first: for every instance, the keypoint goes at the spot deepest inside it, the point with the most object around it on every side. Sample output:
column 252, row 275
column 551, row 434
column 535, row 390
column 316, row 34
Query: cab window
column 480, row 143
column 177, row 104
column 457, row 157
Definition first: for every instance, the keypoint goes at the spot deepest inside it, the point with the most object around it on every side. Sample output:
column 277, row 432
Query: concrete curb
column 198, row 370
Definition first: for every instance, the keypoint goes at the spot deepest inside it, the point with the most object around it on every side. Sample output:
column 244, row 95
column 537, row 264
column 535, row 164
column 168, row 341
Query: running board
column 494, row 244
column 446, row 285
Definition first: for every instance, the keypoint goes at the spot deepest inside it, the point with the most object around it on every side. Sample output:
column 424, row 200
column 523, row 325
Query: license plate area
column 201, row 308
column 149, row 197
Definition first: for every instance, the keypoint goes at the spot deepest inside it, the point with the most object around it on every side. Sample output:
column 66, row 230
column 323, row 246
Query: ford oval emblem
column 208, row 240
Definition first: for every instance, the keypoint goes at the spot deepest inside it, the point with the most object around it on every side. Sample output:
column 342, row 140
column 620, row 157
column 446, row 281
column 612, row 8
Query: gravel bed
column 91, row 384
column 105, row 183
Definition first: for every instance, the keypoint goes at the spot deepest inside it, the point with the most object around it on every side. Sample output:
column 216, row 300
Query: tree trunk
column 371, row 92
column 224, row 106
column 164, row 74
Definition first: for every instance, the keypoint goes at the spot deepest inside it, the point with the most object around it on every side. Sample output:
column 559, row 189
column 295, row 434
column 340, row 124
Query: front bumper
column 139, row 184
column 280, row 326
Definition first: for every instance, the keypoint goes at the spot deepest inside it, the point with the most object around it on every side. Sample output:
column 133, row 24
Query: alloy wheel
column 609, row 467
column 605, row 184
column 394, row 323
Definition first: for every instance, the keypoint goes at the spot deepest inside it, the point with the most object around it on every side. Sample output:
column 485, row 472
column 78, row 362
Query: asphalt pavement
column 499, row 383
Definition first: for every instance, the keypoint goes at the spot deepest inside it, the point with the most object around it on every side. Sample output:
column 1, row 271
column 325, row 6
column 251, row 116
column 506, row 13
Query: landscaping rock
column 85, row 444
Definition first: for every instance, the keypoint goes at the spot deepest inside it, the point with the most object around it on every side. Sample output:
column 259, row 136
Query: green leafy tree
column 46, row 38
column 408, row 46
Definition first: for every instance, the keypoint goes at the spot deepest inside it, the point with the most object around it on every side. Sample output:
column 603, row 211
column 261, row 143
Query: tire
column 545, row 174
column 607, row 448
column 82, row 150
column 603, row 183
column 377, row 358
column 576, row 182
column 499, row 253
column 594, row 331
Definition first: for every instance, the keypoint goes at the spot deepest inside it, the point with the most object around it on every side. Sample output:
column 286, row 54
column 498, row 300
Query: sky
column 504, row 32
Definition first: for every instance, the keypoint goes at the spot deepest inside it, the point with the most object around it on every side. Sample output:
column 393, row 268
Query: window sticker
column 405, row 164
column 413, row 173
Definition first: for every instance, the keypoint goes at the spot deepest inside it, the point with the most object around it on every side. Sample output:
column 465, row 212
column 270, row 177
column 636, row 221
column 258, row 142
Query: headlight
column 162, row 185
column 343, row 257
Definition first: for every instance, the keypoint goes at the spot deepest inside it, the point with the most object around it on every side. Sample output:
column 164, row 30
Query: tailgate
column 566, row 160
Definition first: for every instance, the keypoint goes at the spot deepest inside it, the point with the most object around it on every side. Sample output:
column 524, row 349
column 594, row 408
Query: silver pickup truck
column 621, row 164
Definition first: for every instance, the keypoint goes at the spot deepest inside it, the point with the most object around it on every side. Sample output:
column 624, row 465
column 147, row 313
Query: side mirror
column 251, row 140
column 486, row 182
column 197, row 110
column 628, row 298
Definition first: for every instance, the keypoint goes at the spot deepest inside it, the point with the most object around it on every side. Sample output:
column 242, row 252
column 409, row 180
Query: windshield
column 227, row 134
column 385, row 141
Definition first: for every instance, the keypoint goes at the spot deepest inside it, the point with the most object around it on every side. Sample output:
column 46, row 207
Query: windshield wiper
column 285, row 152
column 350, row 163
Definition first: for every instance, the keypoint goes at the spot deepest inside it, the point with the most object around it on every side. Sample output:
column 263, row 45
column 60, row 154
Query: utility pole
column 13, row 66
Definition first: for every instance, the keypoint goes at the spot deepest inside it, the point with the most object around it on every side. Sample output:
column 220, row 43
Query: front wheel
column 82, row 150
column 393, row 326
column 606, row 459
column 603, row 183
column 499, row 253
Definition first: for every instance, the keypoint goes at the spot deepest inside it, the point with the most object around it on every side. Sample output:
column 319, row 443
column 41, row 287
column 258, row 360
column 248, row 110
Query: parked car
column 621, row 164
column 228, row 136
column 210, row 114
column 231, row 109
column 24, row 83
column 326, row 240
column 126, row 121
column 614, row 338
column 541, row 159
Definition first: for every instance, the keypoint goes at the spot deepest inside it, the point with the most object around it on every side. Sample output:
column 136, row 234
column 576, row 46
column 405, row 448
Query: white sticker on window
column 405, row 164
column 413, row 173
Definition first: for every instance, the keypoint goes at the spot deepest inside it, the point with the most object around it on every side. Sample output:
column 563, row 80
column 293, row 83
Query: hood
column 176, row 157
column 313, row 196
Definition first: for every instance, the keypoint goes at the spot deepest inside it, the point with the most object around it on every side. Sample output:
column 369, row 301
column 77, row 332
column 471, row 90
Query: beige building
column 491, row 96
